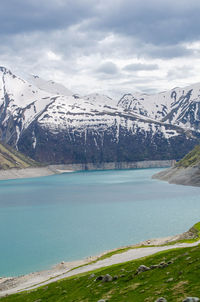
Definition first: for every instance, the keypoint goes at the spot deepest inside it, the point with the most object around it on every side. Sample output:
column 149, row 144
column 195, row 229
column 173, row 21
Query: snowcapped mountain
column 179, row 106
column 49, row 86
column 49, row 123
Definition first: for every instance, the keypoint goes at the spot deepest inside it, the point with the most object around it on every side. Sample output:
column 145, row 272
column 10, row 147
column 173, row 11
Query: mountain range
column 51, row 124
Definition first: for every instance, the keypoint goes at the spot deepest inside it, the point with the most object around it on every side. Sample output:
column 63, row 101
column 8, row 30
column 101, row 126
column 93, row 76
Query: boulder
column 191, row 299
column 99, row 278
column 154, row 266
column 107, row 278
column 163, row 264
column 161, row 299
column 142, row 268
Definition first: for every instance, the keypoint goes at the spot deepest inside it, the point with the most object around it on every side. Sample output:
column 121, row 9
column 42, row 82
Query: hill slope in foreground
column 172, row 274
column 185, row 172
column 10, row 158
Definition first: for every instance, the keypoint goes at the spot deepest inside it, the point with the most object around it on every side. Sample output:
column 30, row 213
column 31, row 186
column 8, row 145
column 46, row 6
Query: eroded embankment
column 181, row 176
column 58, row 169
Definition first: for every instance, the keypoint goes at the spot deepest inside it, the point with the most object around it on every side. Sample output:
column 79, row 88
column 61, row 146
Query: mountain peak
column 4, row 69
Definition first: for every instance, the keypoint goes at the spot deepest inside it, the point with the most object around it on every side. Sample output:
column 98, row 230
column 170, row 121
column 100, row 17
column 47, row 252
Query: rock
column 62, row 262
column 102, row 300
column 91, row 276
column 99, row 278
column 154, row 266
column 107, row 278
column 191, row 299
column 115, row 278
column 162, row 265
column 161, row 300
column 170, row 280
column 143, row 268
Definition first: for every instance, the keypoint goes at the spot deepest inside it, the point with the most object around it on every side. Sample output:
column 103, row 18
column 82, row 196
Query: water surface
column 46, row 220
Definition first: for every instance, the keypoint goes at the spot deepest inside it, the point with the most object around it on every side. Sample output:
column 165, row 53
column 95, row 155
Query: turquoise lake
column 46, row 220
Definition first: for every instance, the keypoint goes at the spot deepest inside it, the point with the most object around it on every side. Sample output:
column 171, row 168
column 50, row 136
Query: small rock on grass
column 170, row 280
column 191, row 299
column 161, row 299
column 143, row 268
column 107, row 278
column 91, row 276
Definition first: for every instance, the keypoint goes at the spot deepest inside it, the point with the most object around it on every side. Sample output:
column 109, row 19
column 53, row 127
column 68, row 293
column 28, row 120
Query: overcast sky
column 109, row 46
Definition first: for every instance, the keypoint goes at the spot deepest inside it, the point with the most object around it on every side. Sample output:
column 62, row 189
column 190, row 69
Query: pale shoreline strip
column 65, row 168
column 66, row 269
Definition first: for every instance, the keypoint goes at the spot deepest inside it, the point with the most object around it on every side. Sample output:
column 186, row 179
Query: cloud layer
column 109, row 46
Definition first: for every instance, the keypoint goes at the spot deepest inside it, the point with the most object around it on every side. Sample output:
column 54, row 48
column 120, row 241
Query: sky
column 105, row 46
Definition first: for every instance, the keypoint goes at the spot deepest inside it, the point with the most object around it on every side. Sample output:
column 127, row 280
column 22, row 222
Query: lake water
column 46, row 220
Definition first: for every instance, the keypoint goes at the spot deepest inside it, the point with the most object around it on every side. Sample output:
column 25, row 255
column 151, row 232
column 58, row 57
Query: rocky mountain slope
column 47, row 122
column 10, row 158
column 185, row 172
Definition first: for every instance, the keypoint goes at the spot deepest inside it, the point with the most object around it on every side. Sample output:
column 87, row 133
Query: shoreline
column 180, row 176
column 32, row 172
column 11, row 285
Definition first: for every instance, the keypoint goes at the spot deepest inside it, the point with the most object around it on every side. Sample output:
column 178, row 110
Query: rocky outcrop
column 185, row 172
column 181, row 176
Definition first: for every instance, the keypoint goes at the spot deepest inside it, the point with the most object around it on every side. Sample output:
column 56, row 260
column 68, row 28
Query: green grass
column 185, row 271
column 191, row 159
column 174, row 282
column 11, row 158
column 195, row 230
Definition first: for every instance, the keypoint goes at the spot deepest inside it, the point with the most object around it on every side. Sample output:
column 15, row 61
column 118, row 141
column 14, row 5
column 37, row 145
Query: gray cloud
column 153, row 21
column 17, row 16
column 153, row 28
column 166, row 51
column 140, row 66
column 84, row 32
column 108, row 68
column 180, row 72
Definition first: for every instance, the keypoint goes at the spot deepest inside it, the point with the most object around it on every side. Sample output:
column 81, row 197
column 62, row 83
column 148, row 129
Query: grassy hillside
column 10, row 158
column 191, row 159
column 173, row 274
